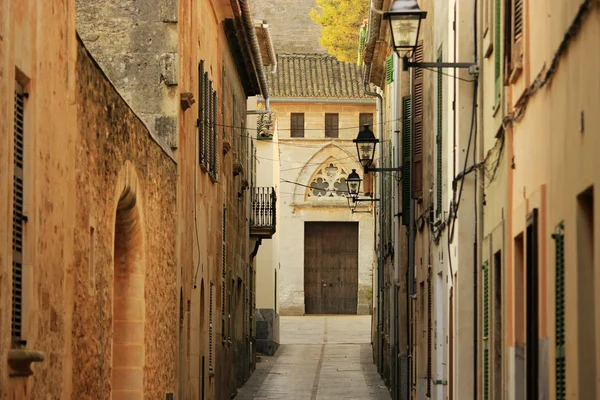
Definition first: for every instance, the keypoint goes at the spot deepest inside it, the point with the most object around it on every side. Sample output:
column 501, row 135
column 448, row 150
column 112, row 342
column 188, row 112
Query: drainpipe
column 256, row 56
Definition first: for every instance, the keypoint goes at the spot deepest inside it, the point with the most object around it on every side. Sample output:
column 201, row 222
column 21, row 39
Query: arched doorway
column 128, row 353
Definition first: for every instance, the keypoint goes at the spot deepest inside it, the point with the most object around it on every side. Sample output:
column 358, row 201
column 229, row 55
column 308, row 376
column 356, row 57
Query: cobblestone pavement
column 320, row 358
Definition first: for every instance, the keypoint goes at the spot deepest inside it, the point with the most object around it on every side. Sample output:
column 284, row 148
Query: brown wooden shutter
column 331, row 125
column 417, row 125
column 516, row 39
column 18, row 202
column 201, row 111
column 297, row 125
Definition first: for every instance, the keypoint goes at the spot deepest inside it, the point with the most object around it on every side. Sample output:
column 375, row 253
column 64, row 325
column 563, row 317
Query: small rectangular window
column 297, row 125
column 365, row 119
column 332, row 125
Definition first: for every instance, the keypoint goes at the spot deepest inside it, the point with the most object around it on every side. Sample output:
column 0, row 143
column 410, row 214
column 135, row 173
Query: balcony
column 263, row 217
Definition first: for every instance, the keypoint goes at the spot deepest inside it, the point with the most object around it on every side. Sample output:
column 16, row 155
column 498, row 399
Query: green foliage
column 341, row 21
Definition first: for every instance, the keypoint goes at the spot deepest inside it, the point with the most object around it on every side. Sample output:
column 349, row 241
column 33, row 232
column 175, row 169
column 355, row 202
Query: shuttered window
column 365, row 119
column 497, row 53
column 234, row 121
column 560, row 359
column 207, row 123
column 210, row 328
column 223, row 100
column 486, row 331
column 406, row 164
column 438, row 140
column 224, row 275
column 18, row 202
column 297, row 125
column 417, row 126
column 331, row 125
column 389, row 69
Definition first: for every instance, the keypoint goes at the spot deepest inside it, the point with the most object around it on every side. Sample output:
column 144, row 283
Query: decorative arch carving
column 344, row 159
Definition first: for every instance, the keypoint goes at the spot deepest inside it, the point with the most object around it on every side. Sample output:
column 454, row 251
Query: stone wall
column 291, row 28
column 136, row 44
column 116, row 153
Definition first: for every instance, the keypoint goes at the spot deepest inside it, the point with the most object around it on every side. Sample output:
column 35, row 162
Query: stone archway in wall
column 128, row 351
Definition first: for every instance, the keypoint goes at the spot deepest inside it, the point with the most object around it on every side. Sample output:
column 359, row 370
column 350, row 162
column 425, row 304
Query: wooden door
column 331, row 267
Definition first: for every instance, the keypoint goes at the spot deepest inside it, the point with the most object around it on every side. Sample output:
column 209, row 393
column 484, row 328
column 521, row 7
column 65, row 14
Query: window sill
column 19, row 361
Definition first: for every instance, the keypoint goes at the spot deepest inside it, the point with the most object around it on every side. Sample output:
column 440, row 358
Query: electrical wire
column 451, row 76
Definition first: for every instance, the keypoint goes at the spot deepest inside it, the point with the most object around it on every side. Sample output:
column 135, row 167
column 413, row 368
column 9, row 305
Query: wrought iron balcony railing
column 263, row 218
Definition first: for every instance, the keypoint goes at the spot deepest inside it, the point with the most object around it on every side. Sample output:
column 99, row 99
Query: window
column 532, row 307
column 18, row 217
column 486, row 330
column 497, row 54
column 389, row 69
column 417, row 127
column 328, row 182
column 297, row 125
column 513, row 45
column 406, row 173
column 365, row 119
column 207, row 123
column 438, row 139
column 586, row 303
column 331, row 125
column 210, row 328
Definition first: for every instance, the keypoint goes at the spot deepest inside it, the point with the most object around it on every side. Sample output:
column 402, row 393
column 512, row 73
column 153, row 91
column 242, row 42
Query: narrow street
column 321, row 357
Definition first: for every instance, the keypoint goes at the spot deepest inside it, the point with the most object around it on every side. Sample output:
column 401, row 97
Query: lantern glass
column 365, row 146
column 353, row 182
column 405, row 31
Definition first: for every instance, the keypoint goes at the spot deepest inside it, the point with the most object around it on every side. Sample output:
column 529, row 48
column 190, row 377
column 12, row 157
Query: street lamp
column 365, row 146
column 405, row 18
column 353, row 182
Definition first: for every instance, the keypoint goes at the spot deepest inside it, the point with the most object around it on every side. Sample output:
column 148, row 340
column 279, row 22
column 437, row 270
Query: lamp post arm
column 369, row 169
column 471, row 66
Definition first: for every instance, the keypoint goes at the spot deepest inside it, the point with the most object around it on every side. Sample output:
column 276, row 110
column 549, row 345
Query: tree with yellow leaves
column 341, row 21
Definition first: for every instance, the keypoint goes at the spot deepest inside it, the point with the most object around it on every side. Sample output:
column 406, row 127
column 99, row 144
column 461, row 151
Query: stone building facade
column 308, row 92
column 499, row 290
column 132, row 250
column 92, row 223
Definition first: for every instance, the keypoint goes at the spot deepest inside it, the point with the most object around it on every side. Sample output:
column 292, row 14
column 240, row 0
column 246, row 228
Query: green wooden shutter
column 497, row 53
column 486, row 331
column 210, row 328
column 389, row 69
column 18, row 204
column 440, row 115
column 406, row 134
column 561, row 381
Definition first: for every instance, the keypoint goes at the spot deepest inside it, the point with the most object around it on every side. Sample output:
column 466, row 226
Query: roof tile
column 315, row 75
